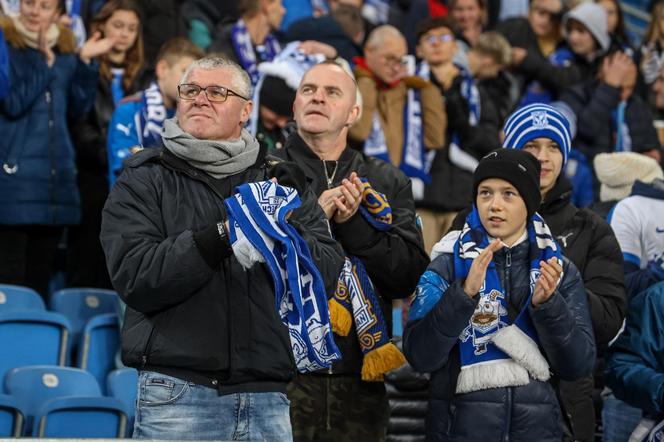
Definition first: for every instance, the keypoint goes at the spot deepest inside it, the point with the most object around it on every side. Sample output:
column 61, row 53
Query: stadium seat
column 64, row 402
column 122, row 384
column 99, row 344
column 16, row 297
column 32, row 337
column 11, row 417
column 81, row 304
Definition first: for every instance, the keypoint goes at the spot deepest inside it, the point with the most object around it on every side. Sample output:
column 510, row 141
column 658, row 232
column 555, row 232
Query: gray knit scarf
column 218, row 159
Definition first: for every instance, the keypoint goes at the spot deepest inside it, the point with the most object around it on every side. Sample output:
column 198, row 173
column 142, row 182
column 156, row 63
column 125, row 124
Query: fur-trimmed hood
column 66, row 43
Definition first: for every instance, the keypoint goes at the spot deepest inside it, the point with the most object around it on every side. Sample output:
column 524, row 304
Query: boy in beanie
column 275, row 111
column 497, row 311
column 586, row 240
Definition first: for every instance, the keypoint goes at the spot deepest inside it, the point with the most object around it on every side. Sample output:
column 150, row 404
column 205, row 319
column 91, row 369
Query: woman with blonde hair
column 38, row 192
column 119, row 70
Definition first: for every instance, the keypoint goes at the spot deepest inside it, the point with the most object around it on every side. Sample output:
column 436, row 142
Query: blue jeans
column 170, row 408
column 618, row 419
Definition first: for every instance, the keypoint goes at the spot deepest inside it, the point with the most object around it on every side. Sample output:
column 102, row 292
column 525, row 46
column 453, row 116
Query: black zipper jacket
column 192, row 311
column 394, row 259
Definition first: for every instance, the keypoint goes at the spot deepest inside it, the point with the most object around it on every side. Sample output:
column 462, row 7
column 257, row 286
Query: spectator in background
column 348, row 402
column 495, row 315
column 469, row 18
column 343, row 28
column 617, row 172
column 402, row 116
column 203, row 16
column 4, row 66
column 213, row 354
column 610, row 117
column 652, row 48
column 119, row 70
column 138, row 120
column 577, row 60
column 616, row 26
column 251, row 39
column 473, row 121
column 535, row 37
column 274, row 113
column 38, row 192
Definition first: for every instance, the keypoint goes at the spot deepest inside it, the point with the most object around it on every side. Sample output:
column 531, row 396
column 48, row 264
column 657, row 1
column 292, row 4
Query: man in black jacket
column 338, row 404
column 213, row 356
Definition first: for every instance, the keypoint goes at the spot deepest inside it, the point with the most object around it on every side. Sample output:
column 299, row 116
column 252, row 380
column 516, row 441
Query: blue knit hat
column 537, row 120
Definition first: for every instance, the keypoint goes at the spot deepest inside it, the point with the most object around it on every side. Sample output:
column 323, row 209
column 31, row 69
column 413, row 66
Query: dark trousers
column 337, row 408
column 27, row 255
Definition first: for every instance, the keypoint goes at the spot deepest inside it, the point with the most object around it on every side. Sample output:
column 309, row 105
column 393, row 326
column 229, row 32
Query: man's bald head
column 384, row 53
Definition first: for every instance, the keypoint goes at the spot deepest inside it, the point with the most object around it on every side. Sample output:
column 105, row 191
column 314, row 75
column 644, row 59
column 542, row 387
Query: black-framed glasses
column 442, row 38
column 216, row 94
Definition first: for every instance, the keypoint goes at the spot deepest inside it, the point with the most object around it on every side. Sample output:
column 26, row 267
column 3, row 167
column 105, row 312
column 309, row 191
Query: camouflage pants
column 337, row 408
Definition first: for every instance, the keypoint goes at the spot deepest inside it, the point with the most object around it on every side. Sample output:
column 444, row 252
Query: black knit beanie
column 517, row 167
column 277, row 96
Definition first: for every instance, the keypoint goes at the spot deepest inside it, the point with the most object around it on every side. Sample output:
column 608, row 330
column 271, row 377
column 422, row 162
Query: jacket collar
column 654, row 190
column 558, row 197
column 296, row 145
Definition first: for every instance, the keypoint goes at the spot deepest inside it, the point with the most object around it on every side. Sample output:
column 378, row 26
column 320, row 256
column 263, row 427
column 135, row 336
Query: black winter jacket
column 192, row 311
column 593, row 103
column 394, row 259
column 524, row 413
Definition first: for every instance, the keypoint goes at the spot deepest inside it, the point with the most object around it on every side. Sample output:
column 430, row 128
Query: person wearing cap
column 574, row 61
column 586, row 240
column 275, row 111
column 610, row 116
column 497, row 313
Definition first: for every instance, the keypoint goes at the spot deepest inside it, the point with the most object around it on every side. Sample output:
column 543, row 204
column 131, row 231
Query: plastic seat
column 81, row 417
column 79, row 305
column 46, row 395
column 32, row 337
column 122, row 384
column 99, row 344
column 11, row 417
column 17, row 297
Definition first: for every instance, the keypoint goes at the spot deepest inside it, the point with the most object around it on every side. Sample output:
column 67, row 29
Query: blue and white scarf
column 648, row 430
column 77, row 25
column 152, row 116
column 244, row 49
column 494, row 351
column 623, row 138
column 290, row 65
column 376, row 11
column 471, row 94
column 259, row 230
column 414, row 162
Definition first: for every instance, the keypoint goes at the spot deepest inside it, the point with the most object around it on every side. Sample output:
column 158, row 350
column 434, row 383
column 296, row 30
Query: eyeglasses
column 443, row 38
column 391, row 60
column 216, row 94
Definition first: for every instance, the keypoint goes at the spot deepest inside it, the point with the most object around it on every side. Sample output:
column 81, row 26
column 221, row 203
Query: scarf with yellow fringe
column 355, row 300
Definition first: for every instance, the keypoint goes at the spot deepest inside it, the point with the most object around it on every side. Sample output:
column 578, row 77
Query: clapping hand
column 477, row 272
column 95, row 46
column 342, row 202
column 550, row 272
column 44, row 48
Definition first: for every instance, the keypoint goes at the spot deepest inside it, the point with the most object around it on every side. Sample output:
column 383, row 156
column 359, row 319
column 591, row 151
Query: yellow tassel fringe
column 381, row 360
column 340, row 318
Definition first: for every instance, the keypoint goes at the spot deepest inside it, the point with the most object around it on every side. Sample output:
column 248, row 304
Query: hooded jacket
column 525, row 413
column 38, row 177
column 193, row 311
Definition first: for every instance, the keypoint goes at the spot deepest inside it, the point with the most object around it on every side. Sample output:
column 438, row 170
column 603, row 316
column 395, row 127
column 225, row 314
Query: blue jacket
column 4, row 67
column 525, row 413
column 38, row 178
column 635, row 362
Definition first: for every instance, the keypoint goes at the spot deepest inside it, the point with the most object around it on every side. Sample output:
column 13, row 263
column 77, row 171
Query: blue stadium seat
column 81, row 417
column 99, row 344
column 40, row 391
column 81, row 304
column 122, row 384
column 11, row 417
column 17, row 297
column 32, row 337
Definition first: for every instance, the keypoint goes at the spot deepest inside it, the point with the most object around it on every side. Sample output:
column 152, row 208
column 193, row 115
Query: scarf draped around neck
column 32, row 38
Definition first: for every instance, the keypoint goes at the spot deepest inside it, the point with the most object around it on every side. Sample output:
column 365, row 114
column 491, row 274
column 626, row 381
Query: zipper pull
column 508, row 259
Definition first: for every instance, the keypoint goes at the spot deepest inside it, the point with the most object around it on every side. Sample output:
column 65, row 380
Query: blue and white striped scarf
column 244, row 49
column 257, row 219
column 496, row 352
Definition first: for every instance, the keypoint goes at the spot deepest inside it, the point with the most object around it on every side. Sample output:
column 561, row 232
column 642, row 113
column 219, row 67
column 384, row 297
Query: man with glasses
column 213, row 356
column 402, row 116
